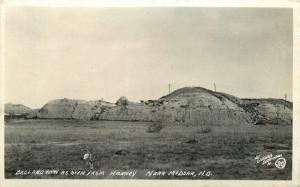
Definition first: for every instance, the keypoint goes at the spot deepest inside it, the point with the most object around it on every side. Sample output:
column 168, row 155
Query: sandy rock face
column 270, row 111
column 202, row 106
column 132, row 112
column 60, row 108
column 91, row 110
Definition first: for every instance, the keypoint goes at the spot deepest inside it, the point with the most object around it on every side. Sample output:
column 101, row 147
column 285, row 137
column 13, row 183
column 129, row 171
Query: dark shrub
column 155, row 127
column 204, row 130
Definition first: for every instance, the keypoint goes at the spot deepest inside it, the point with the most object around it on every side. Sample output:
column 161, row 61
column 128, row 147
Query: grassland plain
column 227, row 151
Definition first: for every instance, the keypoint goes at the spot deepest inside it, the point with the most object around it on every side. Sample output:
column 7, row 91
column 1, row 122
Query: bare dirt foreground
column 55, row 149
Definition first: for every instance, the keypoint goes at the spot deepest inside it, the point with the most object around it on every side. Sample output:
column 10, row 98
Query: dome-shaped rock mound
column 60, row 108
column 201, row 106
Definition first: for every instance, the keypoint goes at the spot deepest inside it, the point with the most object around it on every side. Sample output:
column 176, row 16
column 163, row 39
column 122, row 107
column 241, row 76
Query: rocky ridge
column 193, row 105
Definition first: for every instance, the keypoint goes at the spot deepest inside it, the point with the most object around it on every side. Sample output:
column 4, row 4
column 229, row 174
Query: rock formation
column 189, row 105
column 59, row 109
column 269, row 111
column 91, row 110
column 18, row 111
column 198, row 105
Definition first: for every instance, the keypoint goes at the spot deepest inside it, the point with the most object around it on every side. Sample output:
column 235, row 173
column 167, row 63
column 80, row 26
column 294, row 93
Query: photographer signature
column 278, row 160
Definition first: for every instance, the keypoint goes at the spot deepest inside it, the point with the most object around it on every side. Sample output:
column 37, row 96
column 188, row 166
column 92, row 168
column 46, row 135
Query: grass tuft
column 155, row 127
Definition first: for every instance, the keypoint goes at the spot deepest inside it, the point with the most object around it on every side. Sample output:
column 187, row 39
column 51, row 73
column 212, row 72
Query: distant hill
column 190, row 105
column 18, row 110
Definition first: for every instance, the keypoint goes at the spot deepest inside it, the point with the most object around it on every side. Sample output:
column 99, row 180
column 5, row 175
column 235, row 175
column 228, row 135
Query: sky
column 95, row 53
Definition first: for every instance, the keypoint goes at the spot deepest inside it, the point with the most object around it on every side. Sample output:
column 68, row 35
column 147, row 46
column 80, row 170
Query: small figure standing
column 89, row 160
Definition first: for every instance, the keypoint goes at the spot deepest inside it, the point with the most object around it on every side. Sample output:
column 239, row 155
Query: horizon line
column 102, row 99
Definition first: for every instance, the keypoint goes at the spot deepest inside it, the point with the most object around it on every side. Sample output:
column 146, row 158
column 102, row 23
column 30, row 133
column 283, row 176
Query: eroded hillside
column 190, row 105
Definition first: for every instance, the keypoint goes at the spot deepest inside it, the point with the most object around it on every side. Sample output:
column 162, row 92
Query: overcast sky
column 94, row 53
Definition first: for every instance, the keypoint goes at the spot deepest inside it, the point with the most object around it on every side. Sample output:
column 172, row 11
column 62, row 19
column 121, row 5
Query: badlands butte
column 191, row 105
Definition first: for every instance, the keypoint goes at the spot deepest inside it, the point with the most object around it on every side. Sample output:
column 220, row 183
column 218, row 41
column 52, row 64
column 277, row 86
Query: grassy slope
column 228, row 151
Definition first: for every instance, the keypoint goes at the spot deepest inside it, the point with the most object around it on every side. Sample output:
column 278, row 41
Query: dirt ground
column 228, row 152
